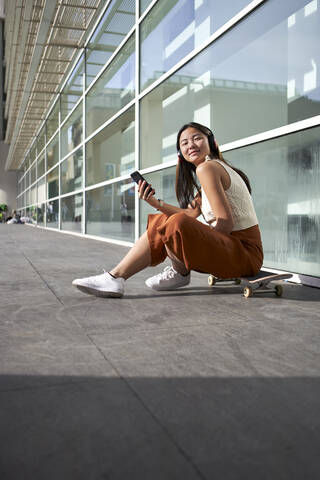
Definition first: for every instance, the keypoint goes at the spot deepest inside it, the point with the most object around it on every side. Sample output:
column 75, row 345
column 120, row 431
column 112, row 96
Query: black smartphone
column 136, row 176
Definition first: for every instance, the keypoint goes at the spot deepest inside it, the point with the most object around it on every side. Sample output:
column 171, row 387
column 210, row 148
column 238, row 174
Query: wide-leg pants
column 204, row 249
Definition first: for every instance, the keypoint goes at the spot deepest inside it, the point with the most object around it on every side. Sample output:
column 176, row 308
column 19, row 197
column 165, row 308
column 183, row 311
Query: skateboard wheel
column 211, row 280
column 247, row 292
column 278, row 290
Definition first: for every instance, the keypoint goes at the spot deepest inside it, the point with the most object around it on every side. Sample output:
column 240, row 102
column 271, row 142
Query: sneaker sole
column 168, row 289
column 98, row 293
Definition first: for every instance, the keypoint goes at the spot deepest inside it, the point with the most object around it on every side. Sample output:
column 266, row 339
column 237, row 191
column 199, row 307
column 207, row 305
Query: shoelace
column 168, row 272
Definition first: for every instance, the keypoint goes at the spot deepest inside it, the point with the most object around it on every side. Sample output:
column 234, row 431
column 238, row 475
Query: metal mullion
column 107, row 182
column 71, row 153
column 84, row 155
column 137, row 120
column 71, row 194
column 72, row 111
column 145, row 13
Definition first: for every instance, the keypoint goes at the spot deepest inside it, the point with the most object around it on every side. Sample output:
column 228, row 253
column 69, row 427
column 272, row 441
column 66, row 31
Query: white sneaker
column 169, row 279
column 103, row 285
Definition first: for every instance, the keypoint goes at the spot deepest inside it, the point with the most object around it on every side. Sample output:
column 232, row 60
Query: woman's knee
column 178, row 220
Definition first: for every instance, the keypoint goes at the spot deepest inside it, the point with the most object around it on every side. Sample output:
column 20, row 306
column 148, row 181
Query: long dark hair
column 186, row 182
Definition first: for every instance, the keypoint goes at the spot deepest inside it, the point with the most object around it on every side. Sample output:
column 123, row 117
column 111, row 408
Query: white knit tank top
column 243, row 212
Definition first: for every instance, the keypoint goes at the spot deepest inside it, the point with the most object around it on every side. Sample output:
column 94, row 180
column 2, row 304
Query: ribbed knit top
column 243, row 212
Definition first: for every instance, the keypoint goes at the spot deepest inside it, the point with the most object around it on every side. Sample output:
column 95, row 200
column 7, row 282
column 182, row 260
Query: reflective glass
column 172, row 29
column 71, row 172
column 113, row 27
column 110, row 211
column 285, row 176
column 53, row 214
column 53, row 121
column 163, row 182
column 32, row 155
column 53, row 152
column 215, row 89
column 41, row 210
column 71, row 213
column 111, row 152
column 73, row 89
column 53, row 183
column 71, row 132
column 42, row 191
column 33, row 173
column 41, row 140
column 41, row 166
column 33, row 198
column 113, row 90
column 144, row 4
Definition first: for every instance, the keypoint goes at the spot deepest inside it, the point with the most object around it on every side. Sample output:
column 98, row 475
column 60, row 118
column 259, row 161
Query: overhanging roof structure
column 42, row 38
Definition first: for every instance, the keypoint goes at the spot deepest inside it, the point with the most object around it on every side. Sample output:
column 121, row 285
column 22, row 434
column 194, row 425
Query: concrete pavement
column 200, row 383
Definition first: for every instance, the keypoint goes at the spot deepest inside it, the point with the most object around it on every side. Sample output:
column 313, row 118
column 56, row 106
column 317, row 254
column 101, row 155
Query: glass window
column 33, row 173
column 285, row 177
column 32, row 155
column 163, row 182
column 110, row 211
column 53, row 121
column 71, row 213
column 172, row 29
column 53, row 152
column 53, row 214
column 41, row 140
column 71, row 132
column 33, row 198
column 113, row 90
column 111, row 152
column 144, row 4
column 42, row 190
column 73, row 89
column 41, row 211
column 71, row 172
column 113, row 27
column 215, row 89
column 41, row 166
column 53, row 183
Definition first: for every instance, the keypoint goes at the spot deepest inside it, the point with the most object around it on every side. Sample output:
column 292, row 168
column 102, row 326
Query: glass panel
column 53, row 152
column 71, row 213
column 71, row 132
column 216, row 90
column 32, row 155
column 53, row 183
column 33, row 198
column 41, row 213
column 113, row 90
column 42, row 190
column 71, row 172
column 28, row 195
column 33, row 173
column 111, row 152
column 53, row 121
column 110, row 211
column 33, row 214
column 73, row 89
column 53, row 214
column 164, row 184
column 285, row 176
column 115, row 24
column 41, row 140
column 41, row 166
column 173, row 28
column 144, row 4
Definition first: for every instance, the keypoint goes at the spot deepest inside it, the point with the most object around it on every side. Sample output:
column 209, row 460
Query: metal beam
column 46, row 19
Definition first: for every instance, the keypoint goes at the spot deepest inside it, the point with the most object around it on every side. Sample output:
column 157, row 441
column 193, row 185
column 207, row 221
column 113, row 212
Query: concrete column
column 8, row 180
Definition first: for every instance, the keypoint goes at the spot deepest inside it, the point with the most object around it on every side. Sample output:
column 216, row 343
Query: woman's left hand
column 146, row 192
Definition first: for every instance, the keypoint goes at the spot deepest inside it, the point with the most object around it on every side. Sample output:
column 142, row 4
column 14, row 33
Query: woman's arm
column 213, row 178
column 147, row 194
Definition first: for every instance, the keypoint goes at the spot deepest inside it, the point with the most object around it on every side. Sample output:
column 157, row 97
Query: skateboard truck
column 256, row 284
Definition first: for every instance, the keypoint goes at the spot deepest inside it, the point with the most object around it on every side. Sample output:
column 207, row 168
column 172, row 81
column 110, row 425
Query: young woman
column 228, row 245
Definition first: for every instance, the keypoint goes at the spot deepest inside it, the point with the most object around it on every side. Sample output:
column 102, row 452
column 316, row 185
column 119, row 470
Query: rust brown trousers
column 202, row 248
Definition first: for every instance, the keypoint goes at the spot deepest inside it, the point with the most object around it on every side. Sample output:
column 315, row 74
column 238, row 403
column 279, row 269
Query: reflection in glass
column 113, row 90
column 71, row 213
column 41, row 166
column 41, row 211
column 41, row 191
column 53, row 121
column 53, row 214
column 53, row 152
column 173, row 28
column 33, row 173
column 163, row 182
column 73, row 89
column 285, row 175
column 111, row 152
column 41, row 140
column 33, row 198
column 110, row 211
column 71, row 172
column 53, row 183
column 113, row 27
column 215, row 89
column 143, row 5
column 71, row 132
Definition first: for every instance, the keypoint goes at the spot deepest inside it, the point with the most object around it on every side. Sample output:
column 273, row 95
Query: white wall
column 8, row 180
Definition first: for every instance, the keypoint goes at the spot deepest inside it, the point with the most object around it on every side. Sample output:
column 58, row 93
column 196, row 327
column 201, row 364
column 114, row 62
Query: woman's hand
column 146, row 192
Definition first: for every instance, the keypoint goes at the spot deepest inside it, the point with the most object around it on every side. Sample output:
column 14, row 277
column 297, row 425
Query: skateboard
column 257, row 284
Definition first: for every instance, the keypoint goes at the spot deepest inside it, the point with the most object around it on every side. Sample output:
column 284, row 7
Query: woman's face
column 194, row 145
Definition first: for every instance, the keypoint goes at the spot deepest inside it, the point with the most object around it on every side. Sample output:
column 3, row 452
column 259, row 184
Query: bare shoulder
column 209, row 167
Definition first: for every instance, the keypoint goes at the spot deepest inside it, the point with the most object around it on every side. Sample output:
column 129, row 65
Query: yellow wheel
column 247, row 292
column 211, row 280
column 278, row 290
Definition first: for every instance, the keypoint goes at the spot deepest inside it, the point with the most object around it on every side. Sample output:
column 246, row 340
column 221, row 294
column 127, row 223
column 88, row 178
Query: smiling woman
column 228, row 245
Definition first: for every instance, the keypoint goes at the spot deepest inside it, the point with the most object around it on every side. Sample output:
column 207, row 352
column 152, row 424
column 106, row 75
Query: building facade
column 248, row 70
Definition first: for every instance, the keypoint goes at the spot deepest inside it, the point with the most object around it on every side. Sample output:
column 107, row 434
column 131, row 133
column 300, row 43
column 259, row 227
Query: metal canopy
column 42, row 39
